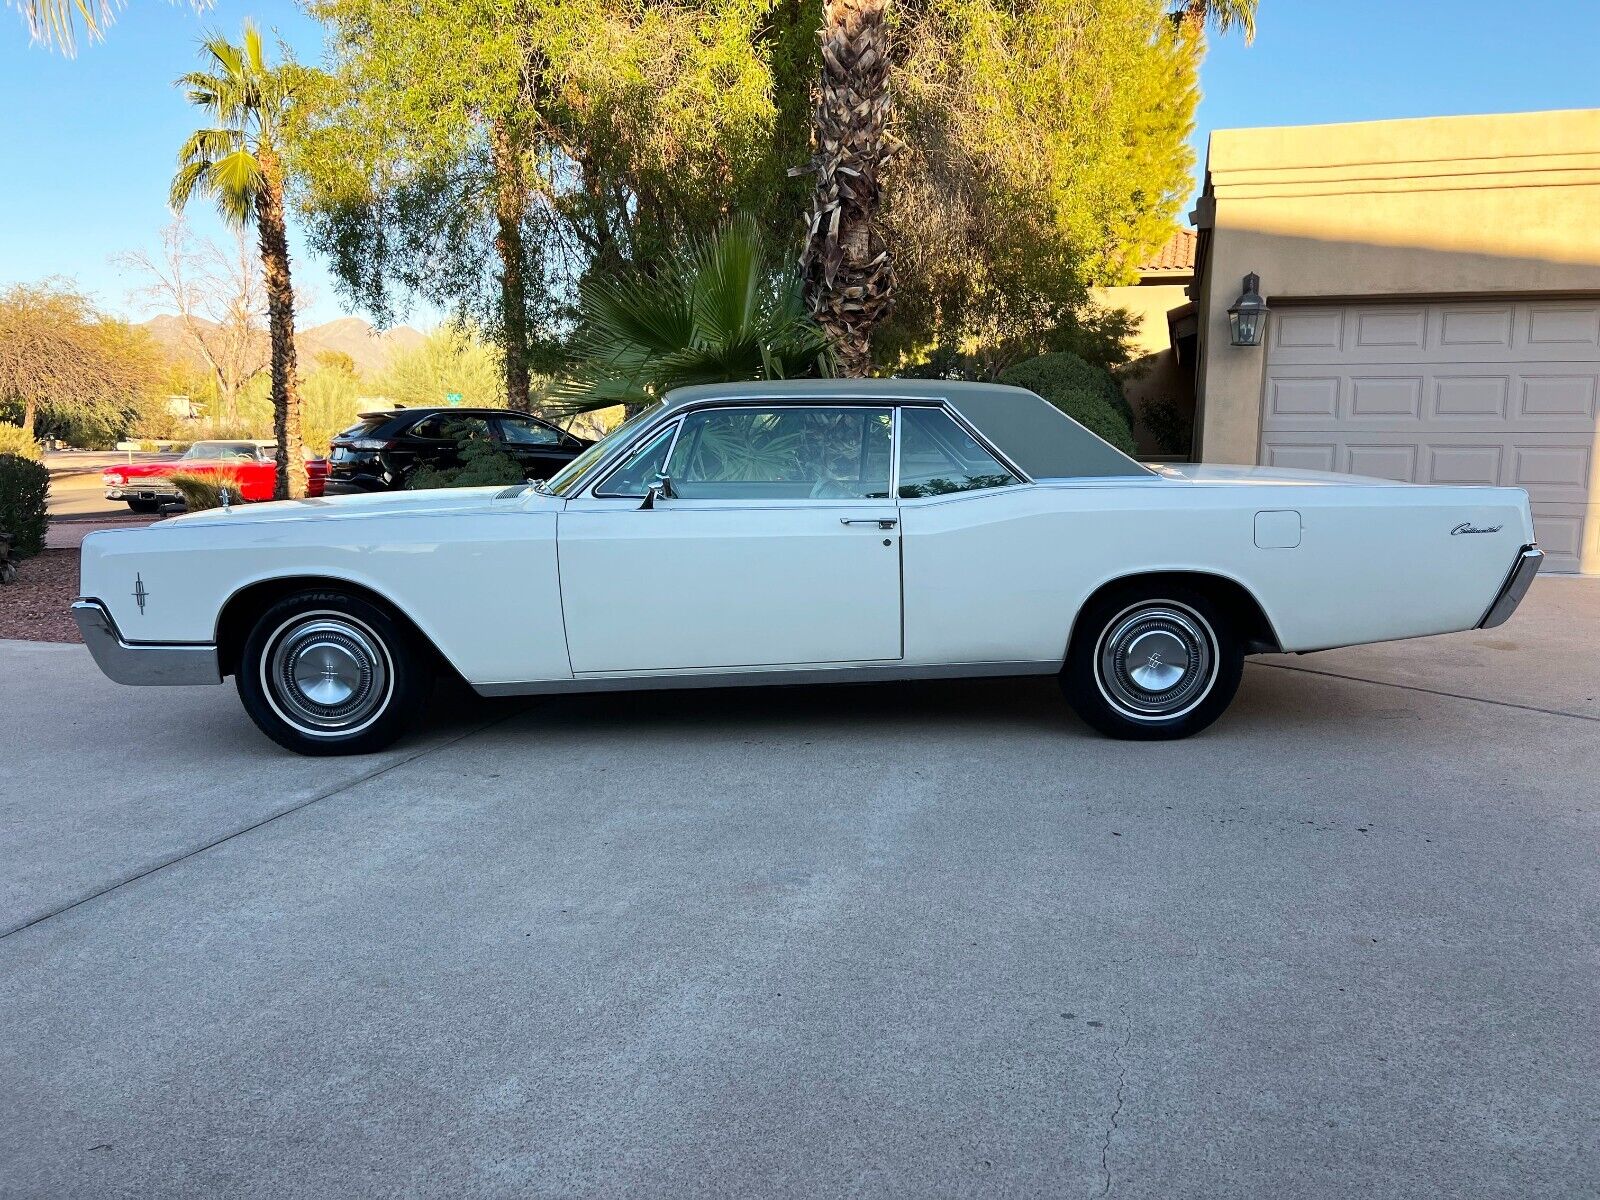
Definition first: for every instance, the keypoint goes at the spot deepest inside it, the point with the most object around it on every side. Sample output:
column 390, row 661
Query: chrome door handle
column 880, row 522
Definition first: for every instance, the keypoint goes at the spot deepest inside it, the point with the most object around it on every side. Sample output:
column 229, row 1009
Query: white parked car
column 802, row 532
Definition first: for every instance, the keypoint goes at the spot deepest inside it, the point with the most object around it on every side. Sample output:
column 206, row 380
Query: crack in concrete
column 184, row 855
column 1412, row 687
column 1116, row 1108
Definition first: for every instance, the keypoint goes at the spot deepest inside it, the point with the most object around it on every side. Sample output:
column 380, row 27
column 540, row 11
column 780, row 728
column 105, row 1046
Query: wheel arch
column 1251, row 621
column 244, row 607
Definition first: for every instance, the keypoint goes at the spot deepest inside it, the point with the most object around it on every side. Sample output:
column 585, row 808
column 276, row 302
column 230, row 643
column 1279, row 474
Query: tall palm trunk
column 510, row 205
column 849, row 276
column 274, row 242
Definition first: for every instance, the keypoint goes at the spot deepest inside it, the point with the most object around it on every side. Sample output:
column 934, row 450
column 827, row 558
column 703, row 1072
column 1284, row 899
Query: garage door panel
column 1302, row 456
column 1388, row 328
column 1474, row 327
column 1480, row 397
column 1469, row 393
column 1462, row 464
column 1387, row 397
column 1308, row 398
column 1565, row 325
column 1381, row 461
column 1560, row 396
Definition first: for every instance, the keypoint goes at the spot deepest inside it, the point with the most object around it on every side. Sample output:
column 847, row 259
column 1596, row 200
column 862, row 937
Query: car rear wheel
column 1152, row 663
column 326, row 673
column 145, row 506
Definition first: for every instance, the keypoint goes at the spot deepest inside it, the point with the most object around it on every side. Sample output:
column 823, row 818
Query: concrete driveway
column 883, row 941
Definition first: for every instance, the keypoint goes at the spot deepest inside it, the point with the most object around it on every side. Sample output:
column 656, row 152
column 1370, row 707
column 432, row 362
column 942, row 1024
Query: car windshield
column 223, row 451
column 562, row 482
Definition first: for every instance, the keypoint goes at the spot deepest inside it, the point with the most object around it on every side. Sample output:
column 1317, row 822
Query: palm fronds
column 721, row 309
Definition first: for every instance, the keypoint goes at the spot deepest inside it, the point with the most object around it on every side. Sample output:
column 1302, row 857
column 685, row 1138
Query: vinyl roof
column 1034, row 434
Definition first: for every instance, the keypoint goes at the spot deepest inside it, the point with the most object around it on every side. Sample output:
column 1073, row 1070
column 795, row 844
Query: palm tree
column 55, row 22
column 239, row 163
column 719, row 310
column 1193, row 16
column 848, row 272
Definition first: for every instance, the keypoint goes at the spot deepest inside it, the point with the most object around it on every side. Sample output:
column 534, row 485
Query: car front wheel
column 325, row 673
column 1152, row 663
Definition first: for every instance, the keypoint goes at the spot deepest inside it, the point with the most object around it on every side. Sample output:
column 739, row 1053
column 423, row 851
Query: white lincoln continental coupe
column 801, row 532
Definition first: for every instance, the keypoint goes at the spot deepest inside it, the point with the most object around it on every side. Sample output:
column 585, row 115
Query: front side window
column 566, row 479
column 783, row 453
column 938, row 457
column 639, row 469
column 523, row 432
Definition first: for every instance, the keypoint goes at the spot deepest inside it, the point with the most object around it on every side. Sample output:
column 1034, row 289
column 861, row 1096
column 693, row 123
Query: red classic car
column 147, row 486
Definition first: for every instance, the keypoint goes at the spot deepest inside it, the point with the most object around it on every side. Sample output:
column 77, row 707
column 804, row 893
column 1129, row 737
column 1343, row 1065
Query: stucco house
column 1434, row 295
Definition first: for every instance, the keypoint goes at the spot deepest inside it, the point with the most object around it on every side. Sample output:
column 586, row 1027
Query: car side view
column 146, row 487
column 806, row 531
column 383, row 448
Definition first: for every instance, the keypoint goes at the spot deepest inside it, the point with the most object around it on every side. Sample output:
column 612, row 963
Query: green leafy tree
column 1045, row 154
column 719, row 309
column 451, row 361
column 487, row 155
column 238, row 162
column 65, row 368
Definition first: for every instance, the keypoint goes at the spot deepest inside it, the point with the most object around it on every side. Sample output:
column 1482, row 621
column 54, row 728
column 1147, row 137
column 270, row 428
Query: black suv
column 380, row 452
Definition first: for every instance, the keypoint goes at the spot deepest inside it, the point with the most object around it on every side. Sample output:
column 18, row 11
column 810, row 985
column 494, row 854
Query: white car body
column 522, row 591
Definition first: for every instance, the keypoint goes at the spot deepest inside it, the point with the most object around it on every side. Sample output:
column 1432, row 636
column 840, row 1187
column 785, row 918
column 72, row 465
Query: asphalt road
column 903, row 940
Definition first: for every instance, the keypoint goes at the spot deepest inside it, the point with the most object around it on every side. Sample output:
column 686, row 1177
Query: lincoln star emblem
column 1469, row 527
column 139, row 593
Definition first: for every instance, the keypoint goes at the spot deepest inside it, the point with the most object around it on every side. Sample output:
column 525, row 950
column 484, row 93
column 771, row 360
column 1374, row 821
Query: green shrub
column 1086, row 393
column 14, row 441
column 483, row 464
column 24, row 484
column 205, row 491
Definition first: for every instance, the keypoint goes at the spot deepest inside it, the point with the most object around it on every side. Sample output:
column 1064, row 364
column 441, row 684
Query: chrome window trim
column 640, row 444
column 1021, row 477
column 589, row 487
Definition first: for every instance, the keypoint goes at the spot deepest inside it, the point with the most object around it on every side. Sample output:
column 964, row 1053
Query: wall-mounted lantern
column 1247, row 319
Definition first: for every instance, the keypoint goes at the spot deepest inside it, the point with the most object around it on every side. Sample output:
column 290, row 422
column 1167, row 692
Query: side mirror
column 660, row 489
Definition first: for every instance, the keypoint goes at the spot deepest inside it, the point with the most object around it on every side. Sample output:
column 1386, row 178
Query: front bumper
column 141, row 662
column 128, row 491
column 1514, row 588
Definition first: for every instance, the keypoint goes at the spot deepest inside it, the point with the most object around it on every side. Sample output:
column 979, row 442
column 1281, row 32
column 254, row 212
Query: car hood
column 373, row 504
column 1214, row 473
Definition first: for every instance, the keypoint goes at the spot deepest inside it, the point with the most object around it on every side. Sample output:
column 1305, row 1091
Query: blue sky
column 87, row 143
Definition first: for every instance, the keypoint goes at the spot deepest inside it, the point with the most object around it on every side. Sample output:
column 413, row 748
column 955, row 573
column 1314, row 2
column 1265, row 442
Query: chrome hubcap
column 326, row 673
column 1156, row 660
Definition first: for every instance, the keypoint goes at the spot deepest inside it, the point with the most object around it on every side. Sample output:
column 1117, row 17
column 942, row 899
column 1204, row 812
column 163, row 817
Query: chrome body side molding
column 1515, row 587
column 141, row 663
column 767, row 678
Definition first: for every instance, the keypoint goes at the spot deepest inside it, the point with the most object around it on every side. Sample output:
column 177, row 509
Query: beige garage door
column 1461, row 392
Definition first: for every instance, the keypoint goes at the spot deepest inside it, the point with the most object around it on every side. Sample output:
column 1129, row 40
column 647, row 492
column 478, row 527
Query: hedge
column 1086, row 393
column 24, row 484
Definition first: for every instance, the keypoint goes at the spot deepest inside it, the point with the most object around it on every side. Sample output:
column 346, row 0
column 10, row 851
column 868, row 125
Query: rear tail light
column 367, row 444
column 111, row 479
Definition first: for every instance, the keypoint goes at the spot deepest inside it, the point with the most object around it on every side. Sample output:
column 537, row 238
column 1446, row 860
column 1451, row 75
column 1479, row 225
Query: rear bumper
column 128, row 491
column 1514, row 588
column 141, row 662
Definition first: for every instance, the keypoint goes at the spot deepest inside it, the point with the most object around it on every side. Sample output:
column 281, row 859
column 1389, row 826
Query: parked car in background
column 802, row 532
column 147, row 486
column 380, row 453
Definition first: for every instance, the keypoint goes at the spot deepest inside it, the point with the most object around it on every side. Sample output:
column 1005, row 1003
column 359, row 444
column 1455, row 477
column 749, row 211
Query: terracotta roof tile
column 1176, row 255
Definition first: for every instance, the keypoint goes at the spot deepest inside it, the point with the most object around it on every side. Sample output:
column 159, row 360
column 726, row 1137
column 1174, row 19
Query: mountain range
column 368, row 348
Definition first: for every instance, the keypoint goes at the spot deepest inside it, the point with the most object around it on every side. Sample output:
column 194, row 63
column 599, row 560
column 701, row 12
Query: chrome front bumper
column 141, row 662
column 1515, row 587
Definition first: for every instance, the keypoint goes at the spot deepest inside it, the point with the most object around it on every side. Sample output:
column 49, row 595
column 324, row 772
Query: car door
column 779, row 546
column 541, row 450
